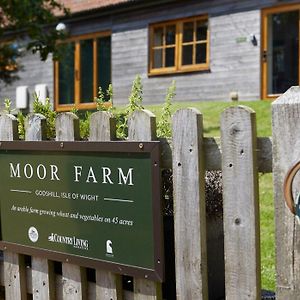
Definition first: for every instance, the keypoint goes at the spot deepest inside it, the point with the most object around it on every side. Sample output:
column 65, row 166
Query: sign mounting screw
column 141, row 145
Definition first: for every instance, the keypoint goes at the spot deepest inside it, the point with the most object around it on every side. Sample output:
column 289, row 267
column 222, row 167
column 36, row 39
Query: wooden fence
column 240, row 154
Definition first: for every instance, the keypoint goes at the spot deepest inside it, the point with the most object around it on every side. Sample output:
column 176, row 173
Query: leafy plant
column 164, row 124
column 74, row 110
column 31, row 22
column 100, row 100
column 7, row 106
column 105, row 103
column 47, row 111
column 135, row 103
column 84, row 125
column 21, row 125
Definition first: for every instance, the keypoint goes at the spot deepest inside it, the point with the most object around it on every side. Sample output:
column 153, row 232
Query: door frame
column 264, row 45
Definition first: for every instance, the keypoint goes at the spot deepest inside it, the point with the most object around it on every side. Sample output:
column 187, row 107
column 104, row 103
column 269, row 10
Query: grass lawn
column 211, row 114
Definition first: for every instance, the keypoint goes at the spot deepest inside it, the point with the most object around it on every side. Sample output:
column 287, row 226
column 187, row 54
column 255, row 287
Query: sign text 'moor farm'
column 94, row 204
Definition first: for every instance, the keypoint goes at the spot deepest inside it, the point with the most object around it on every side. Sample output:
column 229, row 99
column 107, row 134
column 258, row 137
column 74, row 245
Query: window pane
column 170, row 35
column 283, row 51
column 104, row 63
column 66, row 75
column 188, row 32
column 187, row 55
column 158, row 36
column 170, row 57
column 200, row 53
column 157, row 63
column 201, row 30
column 86, row 71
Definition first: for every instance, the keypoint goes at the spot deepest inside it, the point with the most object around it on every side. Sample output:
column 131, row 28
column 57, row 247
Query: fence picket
column 286, row 151
column 43, row 279
column 240, row 204
column 14, row 266
column 142, row 127
column 43, row 276
column 189, row 205
column 103, row 128
column 74, row 277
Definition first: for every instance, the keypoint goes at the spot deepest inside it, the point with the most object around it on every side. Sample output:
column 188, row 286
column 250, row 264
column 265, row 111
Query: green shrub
column 135, row 103
column 47, row 111
column 164, row 124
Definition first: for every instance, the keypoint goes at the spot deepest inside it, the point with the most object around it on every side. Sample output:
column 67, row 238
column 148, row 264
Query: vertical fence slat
column 142, row 127
column 74, row 277
column 74, row 282
column 286, row 151
column 240, row 204
column 14, row 276
column 103, row 128
column 35, row 127
column 43, row 276
column 108, row 285
column 14, row 266
column 189, row 205
column 43, row 279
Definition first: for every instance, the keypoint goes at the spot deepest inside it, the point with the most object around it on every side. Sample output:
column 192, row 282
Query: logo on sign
column 109, row 249
column 33, row 234
column 69, row 240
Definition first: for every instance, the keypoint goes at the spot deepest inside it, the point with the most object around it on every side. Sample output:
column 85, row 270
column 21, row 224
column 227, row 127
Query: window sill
column 69, row 107
column 159, row 72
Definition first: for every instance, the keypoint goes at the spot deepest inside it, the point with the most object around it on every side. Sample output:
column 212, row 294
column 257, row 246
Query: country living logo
column 68, row 240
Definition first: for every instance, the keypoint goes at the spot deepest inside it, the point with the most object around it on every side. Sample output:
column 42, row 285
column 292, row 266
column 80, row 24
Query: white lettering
column 126, row 178
column 91, row 175
column 43, row 170
column 106, row 173
column 26, row 168
column 54, row 171
column 78, row 170
column 14, row 172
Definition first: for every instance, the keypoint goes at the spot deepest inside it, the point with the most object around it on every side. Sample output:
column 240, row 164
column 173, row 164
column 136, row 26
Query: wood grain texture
column 189, row 206
column 74, row 282
column 142, row 127
column 74, row 277
column 8, row 128
column 43, row 279
column 102, row 127
column 286, row 151
column 14, row 276
column 213, row 153
column 35, row 127
column 67, row 127
column 108, row 285
column 42, row 274
column 240, row 204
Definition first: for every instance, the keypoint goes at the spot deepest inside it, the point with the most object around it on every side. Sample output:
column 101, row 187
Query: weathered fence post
column 103, row 128
column 142, row 127
column 43, row 277
column 286, row 151
column 14, row 265
column 240, row 204
column 189, row 206
column 74, row 277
